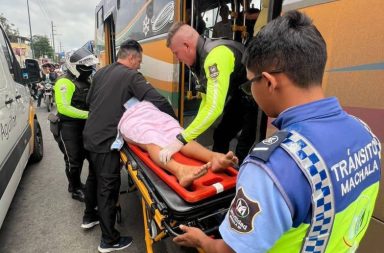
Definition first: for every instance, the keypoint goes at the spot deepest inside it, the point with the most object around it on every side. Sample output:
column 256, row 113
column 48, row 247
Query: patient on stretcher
column 144, row 125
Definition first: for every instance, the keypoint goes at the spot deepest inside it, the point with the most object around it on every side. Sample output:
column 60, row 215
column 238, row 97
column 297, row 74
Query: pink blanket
column 144, row 123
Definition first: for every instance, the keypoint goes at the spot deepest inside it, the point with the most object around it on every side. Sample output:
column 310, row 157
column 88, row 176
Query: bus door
column 209, row 20
column 105, row 46
column 109, row 30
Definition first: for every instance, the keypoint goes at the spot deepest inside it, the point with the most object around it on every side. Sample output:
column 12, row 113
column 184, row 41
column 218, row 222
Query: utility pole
column 53, row 42
column 30, row 30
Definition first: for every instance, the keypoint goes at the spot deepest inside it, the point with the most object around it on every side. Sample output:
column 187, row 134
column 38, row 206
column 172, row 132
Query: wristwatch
column 181, row 138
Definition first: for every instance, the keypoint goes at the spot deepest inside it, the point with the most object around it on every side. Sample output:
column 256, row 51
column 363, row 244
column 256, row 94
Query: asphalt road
column 44, row 218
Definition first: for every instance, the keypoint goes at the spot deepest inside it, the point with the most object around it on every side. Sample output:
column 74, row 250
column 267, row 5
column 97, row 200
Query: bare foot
column 186, row 174
column 222, row 161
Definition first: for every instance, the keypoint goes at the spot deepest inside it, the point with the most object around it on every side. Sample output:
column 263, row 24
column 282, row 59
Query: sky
column 73, row 20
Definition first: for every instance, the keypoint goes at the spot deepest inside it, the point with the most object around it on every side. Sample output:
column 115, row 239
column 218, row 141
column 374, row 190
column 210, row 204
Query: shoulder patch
column 264, row 149
column 242, row 212
column 213, row 71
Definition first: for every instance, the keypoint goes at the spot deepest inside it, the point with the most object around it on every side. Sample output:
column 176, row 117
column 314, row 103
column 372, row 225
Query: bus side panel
column 146, row 21
column 161, row 69
column 354, row 33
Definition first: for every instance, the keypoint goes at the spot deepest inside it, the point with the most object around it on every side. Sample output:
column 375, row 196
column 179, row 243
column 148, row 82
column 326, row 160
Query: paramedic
column 111, row 87
column 219, row 72
column 70, row 92
column 312, row 186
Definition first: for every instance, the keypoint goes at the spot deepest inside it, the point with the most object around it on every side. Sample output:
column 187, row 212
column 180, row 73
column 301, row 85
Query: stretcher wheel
column 153, row 229
column 151, row 224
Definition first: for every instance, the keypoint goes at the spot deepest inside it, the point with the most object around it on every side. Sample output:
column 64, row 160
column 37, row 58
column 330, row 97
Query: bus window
column 263, row 17
column 194, row 15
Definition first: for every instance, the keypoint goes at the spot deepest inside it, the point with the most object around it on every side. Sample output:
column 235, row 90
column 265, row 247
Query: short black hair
column 290, row 43
column 128, row 47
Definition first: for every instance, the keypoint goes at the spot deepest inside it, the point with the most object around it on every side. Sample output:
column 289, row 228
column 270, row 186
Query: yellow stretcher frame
column 148, row 207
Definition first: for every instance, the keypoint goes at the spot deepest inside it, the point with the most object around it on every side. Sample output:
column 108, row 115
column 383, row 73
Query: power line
column 43, row 10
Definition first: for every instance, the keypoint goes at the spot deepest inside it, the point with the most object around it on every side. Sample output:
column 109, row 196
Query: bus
column 353, row 30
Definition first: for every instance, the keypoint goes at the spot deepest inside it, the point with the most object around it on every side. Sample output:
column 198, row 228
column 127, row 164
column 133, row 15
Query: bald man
column 217, row 68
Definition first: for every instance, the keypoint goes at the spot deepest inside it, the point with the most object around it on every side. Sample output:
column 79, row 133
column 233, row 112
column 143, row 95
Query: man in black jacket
column 111, row 87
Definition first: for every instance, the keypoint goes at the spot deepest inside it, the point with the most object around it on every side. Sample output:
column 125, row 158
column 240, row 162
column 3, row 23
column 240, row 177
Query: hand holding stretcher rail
column 147, row 127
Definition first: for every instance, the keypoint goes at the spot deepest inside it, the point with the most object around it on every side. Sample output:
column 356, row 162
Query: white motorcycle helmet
column 82, row 57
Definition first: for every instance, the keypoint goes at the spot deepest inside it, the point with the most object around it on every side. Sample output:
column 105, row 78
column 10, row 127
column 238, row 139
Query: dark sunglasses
column 246, row 87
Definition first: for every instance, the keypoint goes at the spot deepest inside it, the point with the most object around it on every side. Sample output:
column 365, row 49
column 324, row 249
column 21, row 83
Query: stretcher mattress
column 171, row 203
column 204, row 187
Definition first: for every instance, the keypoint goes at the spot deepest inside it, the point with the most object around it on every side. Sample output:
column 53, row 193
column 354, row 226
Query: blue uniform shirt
column 274, row 196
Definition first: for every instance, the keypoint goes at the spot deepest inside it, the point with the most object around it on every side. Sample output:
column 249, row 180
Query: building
column 22, row 49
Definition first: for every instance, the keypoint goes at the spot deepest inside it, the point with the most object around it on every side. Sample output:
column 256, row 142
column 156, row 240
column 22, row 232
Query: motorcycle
column 48, row 95
column 33, row 90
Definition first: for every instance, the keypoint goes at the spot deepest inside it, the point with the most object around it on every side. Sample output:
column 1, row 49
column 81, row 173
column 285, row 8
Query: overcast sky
column 73, row 20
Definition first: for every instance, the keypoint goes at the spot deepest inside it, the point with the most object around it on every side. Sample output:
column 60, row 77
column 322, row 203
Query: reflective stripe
column 323, row 205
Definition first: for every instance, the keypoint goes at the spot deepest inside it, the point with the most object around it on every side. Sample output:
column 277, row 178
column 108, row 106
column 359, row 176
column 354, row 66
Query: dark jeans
column 70, row 142
column 39, row 97
column 240, row 113
column 102, row 190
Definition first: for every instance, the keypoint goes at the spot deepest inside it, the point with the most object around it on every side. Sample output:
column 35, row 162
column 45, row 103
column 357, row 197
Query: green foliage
column 10, row 29
column 41, row 46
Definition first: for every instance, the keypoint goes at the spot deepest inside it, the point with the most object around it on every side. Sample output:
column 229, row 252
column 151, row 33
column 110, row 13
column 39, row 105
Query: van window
column 13, row 66
column 3, row 81
column 5, row 49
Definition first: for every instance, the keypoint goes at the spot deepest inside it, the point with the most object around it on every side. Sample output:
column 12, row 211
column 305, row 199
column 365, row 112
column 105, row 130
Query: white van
column 20, row 134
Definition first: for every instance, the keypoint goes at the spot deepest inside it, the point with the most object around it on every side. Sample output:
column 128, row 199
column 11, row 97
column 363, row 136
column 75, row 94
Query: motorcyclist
column 44, row 77
column 70, row 91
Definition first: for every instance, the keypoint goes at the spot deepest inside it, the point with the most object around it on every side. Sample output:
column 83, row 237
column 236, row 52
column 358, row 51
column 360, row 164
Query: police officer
column 217, row 67
column 70, row 92
column 312, row 186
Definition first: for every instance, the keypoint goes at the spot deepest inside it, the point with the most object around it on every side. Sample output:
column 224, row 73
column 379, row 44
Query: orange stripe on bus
column 162, row 85
column 158, row 50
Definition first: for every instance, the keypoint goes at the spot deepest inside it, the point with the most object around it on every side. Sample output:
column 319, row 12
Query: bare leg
column 219, row 161
column 185, row 174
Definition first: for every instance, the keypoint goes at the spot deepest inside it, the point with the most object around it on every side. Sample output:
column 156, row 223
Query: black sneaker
column 123, row 243
column 89, row 223
column 78, row 194
column 70, row 187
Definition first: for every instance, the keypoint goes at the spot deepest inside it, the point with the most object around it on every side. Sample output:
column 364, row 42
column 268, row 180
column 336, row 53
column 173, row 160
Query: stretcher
column 166, row 205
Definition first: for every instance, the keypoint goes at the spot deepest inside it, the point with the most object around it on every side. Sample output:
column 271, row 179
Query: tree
column 41, row 46
column 9, row 28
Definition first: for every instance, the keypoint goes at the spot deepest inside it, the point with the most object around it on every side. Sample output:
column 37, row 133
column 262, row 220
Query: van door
column 7, row 108
column 8, row 136
column 18, row 93
column 6, row 115
column 15, row 130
